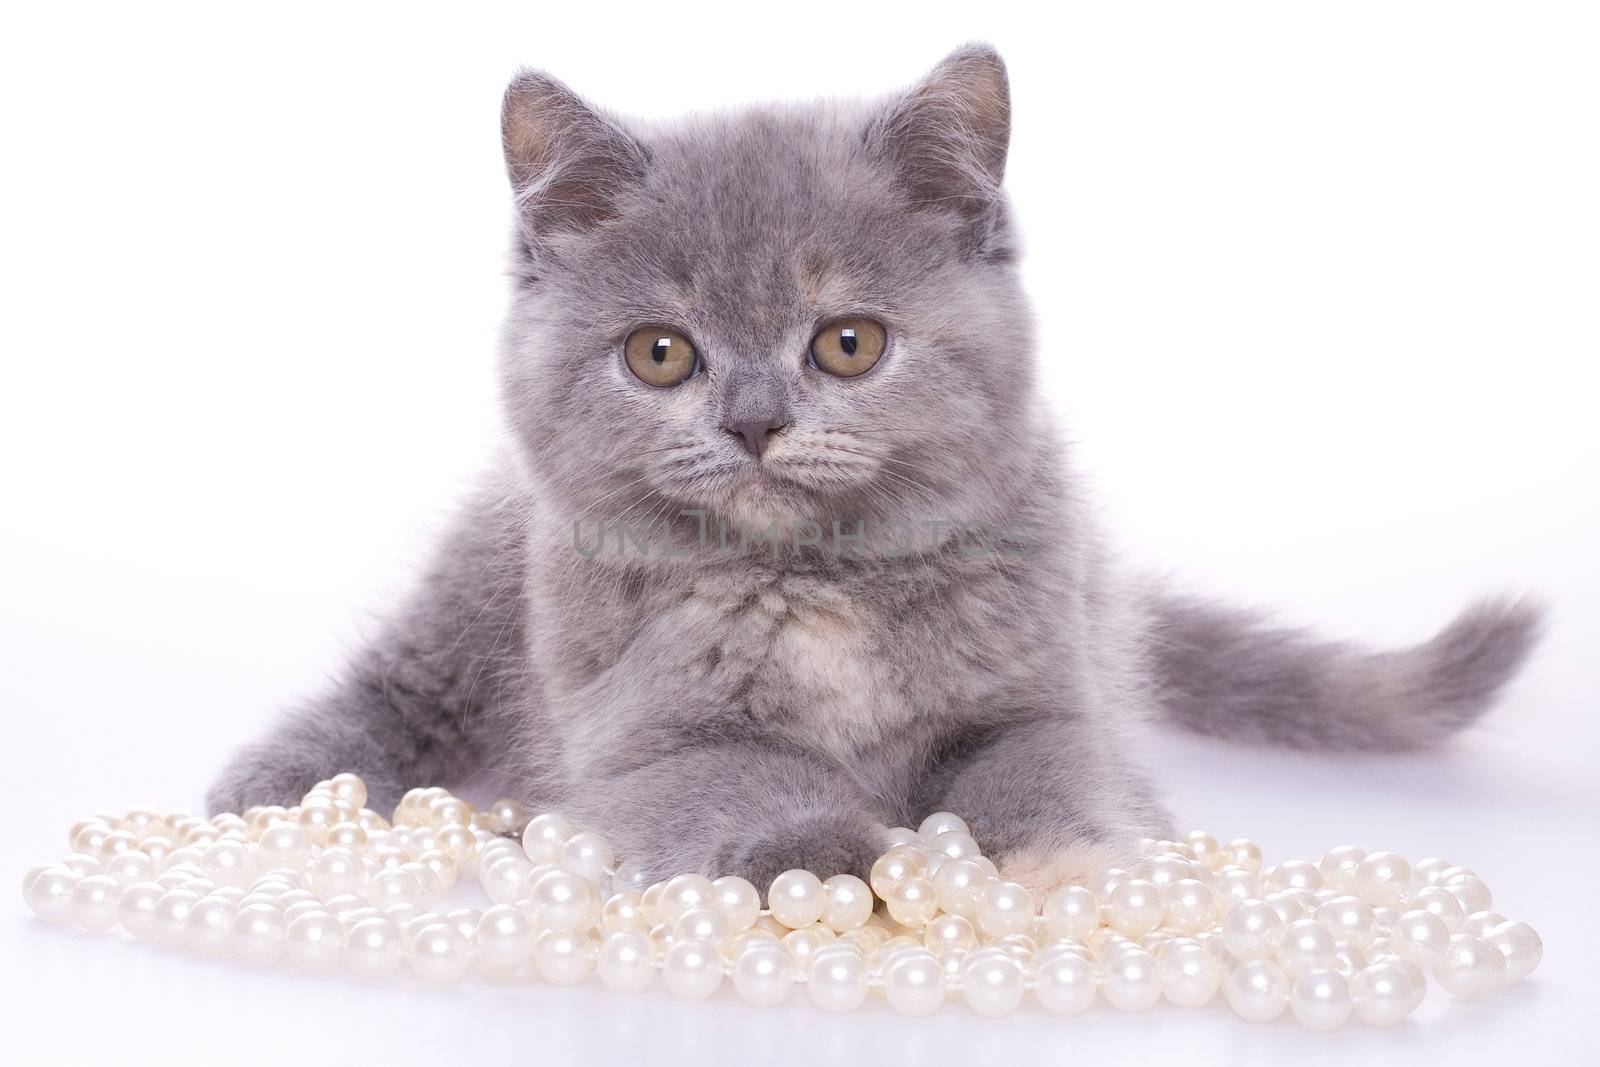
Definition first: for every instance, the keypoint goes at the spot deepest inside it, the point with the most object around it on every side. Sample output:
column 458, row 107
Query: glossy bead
column 1135, row 908
column 1004, row 908
column 259, row 933
column 565, row 901
column 958, row 884
column 1349, row 919
column 545, row 836
column 48, row 892
column 704, row 924
column 1307, row 945
column 796, row 899
column 763, row 972
column 1421, row 936
column 1252, row 929
column 1188, row 972
column 911, row 901
column 691, row 970
column 373, row 948
column 626, row 961
column 136, row 911
column 505, row 936
column 1129, row 980
column 1321, row 999
column 902, row 861
column 838, row 978
column 1257, row 990
column 682, row 893
column 1519, row 943
column 1383, row 878
column 440, row 954
column 94, row 902
column 741, row 903
column 1471, row 967
column 913, row 983
column 1384, row 993
column 314, row 941
column 1191, row 906
column 993, row 982
column 1070, row 911
column 564, row 957
column 847, row 903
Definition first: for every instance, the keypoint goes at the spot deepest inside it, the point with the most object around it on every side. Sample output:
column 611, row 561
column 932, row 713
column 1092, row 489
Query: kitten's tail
column 1231, row 673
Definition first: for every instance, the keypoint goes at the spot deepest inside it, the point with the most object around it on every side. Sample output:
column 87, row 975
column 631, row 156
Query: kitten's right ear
column 568, row 164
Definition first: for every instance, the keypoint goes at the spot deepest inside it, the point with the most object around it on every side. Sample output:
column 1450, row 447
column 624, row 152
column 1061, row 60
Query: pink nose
column 754, row 434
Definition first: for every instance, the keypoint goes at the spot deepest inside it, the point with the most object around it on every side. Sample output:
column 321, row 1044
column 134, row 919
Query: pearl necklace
column 329, row 884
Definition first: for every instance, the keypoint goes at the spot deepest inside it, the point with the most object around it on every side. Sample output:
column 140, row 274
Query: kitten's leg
column 422, row 704
column 1051, row 801
column 739, row 808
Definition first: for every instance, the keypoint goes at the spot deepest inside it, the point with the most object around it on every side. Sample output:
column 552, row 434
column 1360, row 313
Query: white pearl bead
column 625, row 911
column 1440, row 902
column 1257, row 990
column 285, row 844
column 505, row 939
column 1233, row 885
column 1421, row 936
column 1349, row 919
column 1471, row 967
column 1321, row 999
column 229, row 863
column 764, row 972
column 1068, row 912
column 902, row 861
column 993, row 981
column 958, row 884
column 314, row 941
column 627, row 961
column 1519, row 943
column 1479, row 923
column 1129, row 980
column 1384, row 993
column 126, row 868
column 911, row 901
column 544, row 837
column 796, row 899
column 703, row 924
column 589, row 855
column 838, row 978
column 941, row 822
column 1295, row 874
column 1191, row 906
column 94, row 902
column 564, row 957
column 439, row 953
column 49, row 894
column 901, row 835
column 952, row 845
column 373, row 948
column 1338, row 867
column 1383, row 878
column 209, row 926
column 1004, row 908
column 741, row 902
column 259, row 934
column 1470, row 890
column 913, row 982
column 682, row 893
column 136, row 911
column 1252, row 929
column 565, row 901
column 692, row 970
column 172, row 914
column 1307, row 945
column 1243, row 852
column 1063, row 981
column 1189, row 974
column 847, row 903
column 1135, row 908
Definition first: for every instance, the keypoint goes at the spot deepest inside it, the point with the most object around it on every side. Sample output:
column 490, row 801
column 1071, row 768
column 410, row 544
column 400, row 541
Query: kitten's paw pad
column 1043, row 870
column 823, row 845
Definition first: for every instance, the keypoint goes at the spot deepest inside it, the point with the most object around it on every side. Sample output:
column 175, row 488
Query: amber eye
column 660, row 357
column 849, row 347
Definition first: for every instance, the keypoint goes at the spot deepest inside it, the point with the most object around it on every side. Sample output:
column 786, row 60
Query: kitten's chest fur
column 805, row 656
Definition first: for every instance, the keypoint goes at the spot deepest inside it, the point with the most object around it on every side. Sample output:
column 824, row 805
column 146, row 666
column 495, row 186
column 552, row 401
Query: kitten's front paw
column 264, row 774
column 1043, row 869
column 824, row 845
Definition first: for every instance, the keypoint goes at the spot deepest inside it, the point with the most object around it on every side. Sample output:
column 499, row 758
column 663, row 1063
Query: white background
column 1317, row 294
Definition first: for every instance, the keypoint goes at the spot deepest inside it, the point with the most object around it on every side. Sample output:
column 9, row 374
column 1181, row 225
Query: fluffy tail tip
column 1470, row 661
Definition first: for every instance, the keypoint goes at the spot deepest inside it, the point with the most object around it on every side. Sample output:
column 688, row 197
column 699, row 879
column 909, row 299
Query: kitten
column 786, row 550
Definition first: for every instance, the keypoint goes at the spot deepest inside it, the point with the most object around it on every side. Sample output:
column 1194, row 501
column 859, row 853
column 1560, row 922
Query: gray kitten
column 786, row 549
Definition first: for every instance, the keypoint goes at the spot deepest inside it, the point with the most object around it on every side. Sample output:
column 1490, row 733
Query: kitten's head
column 783, row 314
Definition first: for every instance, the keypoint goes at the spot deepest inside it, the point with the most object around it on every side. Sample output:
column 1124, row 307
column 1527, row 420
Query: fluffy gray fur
column 745, row 713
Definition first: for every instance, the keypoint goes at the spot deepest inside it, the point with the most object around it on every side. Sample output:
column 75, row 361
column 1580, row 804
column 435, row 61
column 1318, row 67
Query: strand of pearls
column 330, row 884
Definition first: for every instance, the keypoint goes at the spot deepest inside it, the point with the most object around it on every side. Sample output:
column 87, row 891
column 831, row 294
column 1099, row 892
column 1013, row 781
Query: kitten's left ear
column 948, row 135
column 569, row 164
